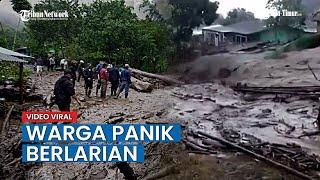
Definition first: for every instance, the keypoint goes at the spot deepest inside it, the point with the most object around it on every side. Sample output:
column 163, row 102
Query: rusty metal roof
column 8, row 58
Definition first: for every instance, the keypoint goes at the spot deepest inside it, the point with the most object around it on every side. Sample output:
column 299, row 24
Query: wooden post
column 21, row 83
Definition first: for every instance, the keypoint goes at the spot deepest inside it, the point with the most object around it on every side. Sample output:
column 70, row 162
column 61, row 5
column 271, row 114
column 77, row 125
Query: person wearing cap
column 81, row 68
column 125, row 81
column 64, row 90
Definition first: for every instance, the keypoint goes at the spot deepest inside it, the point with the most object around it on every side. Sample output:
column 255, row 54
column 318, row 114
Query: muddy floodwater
column 213, row 107
column 208, row 107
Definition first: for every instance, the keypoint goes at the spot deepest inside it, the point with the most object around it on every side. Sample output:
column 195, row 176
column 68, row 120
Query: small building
column 249, row 31
column 237, row 33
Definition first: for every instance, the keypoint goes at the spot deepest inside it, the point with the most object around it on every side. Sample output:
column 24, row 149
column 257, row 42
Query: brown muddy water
column 209, row 107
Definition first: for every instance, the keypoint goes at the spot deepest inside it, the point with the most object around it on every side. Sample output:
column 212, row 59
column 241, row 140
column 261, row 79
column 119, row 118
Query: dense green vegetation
column 7, row 37
column 102, row 30
column 110, row 31
column 10, row 71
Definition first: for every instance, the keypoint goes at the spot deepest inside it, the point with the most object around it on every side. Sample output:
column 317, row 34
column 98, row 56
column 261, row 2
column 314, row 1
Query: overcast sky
column 8, row 16
column 258, row 7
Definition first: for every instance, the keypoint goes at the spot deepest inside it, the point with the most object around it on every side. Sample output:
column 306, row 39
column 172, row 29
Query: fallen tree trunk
column 141, row 86
column 310, row 134
column 258, row 156
column 165, row 79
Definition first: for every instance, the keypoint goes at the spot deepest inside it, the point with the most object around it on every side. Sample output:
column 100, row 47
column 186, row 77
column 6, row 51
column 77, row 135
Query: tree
column 286, row 5
column 188, row 14
column 238, row 15
column 60, row 35
column 111, row 32
column 102, row 30
column 18, row 5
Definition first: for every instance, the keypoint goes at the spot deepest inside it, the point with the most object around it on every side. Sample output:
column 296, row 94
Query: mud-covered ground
column 209, row 106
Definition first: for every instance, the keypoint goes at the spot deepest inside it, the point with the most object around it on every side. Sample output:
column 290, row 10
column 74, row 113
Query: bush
column 10, row 71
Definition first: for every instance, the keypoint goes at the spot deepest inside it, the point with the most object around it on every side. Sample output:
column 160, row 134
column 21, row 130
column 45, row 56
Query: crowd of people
column 76, row 71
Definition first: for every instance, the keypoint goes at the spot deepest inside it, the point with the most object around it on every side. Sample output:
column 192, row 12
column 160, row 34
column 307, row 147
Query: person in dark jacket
column 73, row 68
column 81, row 68
column 114, row 77
column 125, row 81
column 88, row 79
column 63, row 91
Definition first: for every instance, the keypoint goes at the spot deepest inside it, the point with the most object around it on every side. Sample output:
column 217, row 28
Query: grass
column 10, row 71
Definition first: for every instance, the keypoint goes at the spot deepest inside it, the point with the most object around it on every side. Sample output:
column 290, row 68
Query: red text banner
column 49, row 117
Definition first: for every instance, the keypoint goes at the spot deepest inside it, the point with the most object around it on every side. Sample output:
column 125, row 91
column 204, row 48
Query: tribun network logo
column 27, row 15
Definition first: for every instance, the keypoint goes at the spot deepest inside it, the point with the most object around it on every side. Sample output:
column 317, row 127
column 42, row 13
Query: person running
column 125, row 81
column 39, row 63
column 114, row 77
column 81, row 69
column 104, row 76
column 64, row 90
column 88, row 80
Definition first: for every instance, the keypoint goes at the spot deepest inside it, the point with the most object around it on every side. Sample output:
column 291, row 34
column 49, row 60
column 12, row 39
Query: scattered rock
column 82, row 99
column 147, row 116
column 118, row 114
column 267, row 111
column 190, row 111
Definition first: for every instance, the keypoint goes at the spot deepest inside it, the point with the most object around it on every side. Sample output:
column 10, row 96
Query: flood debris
column 170, row 81
column 312, row 91
column 304, row 164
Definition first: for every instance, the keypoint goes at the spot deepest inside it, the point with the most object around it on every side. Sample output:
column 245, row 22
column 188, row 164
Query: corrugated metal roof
column 246, row 27
column 8, row 58
column 12, row 53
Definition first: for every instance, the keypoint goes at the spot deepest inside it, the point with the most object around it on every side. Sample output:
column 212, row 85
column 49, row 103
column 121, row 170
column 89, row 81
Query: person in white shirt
column 62, row 63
